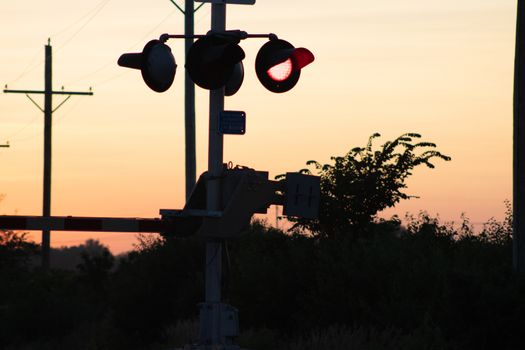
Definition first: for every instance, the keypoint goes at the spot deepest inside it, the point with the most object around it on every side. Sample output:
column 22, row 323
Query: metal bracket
column 234, row 34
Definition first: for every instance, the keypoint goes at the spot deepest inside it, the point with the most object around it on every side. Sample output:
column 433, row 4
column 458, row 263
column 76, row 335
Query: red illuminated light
column 281, row 71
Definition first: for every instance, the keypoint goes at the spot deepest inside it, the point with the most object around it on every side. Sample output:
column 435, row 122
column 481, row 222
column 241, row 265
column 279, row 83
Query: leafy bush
column 365, row 181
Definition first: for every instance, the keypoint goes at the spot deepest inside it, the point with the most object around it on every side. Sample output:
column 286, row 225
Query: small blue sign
column 232, row 122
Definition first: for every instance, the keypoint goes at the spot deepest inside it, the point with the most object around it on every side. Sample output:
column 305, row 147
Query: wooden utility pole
column 48, row 113
column 189, row 103
column 189, row 98
column 519, row 144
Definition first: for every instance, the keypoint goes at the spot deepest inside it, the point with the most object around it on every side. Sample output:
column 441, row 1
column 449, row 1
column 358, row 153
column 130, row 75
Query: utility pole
column 189, row 99
column 48, row 113
column 6, row 145
column 519, row 144
column 189, row 103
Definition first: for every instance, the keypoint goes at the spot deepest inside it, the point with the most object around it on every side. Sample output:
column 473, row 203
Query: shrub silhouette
column 365, row 181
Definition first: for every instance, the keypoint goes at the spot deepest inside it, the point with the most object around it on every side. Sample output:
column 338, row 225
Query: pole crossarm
column 89, row 224
column 6, row 145
column 42, row 92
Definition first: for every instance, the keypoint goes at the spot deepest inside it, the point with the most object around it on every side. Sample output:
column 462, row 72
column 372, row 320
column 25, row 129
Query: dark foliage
column 159, row 283
column 38, row 306
column 15, row 249
column 458, row 284
column 355, row 282
column 365, row 181
column 430, row 282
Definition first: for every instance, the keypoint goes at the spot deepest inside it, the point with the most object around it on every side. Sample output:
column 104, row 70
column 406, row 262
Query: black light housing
column 215, row 61
column 156, row 63
column 234, row 83
column 278, row 64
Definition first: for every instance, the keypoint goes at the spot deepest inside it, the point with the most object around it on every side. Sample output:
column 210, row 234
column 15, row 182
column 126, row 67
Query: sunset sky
column 443, row 69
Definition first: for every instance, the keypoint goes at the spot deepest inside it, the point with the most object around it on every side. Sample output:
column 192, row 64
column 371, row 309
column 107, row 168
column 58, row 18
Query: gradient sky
column 440, row 68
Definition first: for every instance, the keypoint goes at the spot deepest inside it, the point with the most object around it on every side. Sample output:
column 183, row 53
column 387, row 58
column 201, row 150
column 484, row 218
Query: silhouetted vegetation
column 365, row 181
column 423, row 284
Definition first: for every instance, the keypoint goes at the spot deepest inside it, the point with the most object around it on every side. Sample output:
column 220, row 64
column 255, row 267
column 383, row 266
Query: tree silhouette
column 365, row 181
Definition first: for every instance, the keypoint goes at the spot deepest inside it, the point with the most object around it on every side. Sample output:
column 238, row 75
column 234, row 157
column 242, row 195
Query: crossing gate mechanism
column 245, row 192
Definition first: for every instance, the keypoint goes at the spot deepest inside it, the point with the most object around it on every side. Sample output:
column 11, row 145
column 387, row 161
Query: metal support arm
column 235, row 33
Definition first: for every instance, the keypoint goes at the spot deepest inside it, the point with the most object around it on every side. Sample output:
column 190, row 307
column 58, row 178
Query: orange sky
column 443, row 69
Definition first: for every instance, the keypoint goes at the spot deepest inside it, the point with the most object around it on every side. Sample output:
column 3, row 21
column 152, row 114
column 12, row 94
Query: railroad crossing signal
column 215, row 61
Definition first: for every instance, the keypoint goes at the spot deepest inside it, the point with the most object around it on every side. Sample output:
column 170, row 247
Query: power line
column 139, row 41
column 112, row 62
column 80, row 19
column 34, row 119
column 10, row 137
column 29, row 68
column 104, row 3
column 104, row 82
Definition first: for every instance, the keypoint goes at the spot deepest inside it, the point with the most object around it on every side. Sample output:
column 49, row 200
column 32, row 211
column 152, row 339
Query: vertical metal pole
column 189, row 104
column 48, row 108
column 211, row 321
column 519, row 144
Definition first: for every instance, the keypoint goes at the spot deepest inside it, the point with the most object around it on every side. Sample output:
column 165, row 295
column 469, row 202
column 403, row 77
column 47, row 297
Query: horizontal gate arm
column 75, row 223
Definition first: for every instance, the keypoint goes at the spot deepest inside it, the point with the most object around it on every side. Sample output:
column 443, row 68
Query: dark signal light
column 155, row 62
column 215, row 61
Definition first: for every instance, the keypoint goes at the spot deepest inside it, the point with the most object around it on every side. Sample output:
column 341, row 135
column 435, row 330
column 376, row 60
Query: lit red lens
column 281, row 71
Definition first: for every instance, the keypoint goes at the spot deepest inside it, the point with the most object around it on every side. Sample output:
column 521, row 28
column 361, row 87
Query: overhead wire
column 103, row 4
column 31, row 66
column 90, row 15
column 112, row 62
column 110, row 79
column 11, row 138
column 203, row 14
column 139, row 41
column 80, row 19
column 72, row 107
